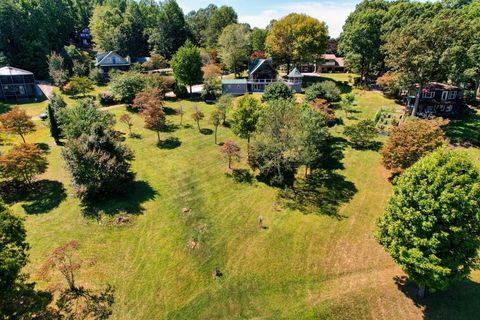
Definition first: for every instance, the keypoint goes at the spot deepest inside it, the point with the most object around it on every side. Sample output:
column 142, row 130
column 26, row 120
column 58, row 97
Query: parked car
column 43, row 116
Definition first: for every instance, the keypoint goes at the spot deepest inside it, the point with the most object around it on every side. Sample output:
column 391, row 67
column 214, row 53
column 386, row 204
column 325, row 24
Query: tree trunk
column 306, row 171
column 198, row 125
column 477, row 88
column 234, row 68
column 216, row 135
column 229, row 162
column 421, row 291
column 181, row 119
column 158, row 136
column 417, row 101
column 190, row 89
column 21, row 135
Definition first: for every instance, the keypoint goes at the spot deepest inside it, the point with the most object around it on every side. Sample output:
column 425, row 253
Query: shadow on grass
column 169, row 111
column 371, row 145
column 4, row 108
column 460, row 301
column 42, row 197
column 43, row 146
column 323, row 192
column 169, row 143
column 134, row 135
column 464, row 131
column 241, row 176
column 130, row 201
column 169, row 127
column 206, row 131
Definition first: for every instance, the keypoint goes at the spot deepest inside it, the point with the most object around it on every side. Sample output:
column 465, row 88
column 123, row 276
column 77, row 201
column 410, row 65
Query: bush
column 327, row 90
column 155, row 62
column 106, row 98
column 361, row 134
column 276, row 91
column 156, row 81
column 409, row 142
column 328, row 113
column 211, row 89
column 180, row 91
column 96, row 75
column 126, row 85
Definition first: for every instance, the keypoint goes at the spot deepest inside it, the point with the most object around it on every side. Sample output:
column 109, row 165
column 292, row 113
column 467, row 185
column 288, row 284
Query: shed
column 234, row 86
column 16, row 83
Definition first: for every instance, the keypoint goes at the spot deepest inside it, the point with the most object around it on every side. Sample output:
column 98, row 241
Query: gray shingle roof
column 295, row 74
column 11, row 71
column 234, row 81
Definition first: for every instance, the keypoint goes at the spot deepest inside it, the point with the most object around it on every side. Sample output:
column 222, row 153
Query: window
column 452, row 95
column 429, row 95
column 444, row 95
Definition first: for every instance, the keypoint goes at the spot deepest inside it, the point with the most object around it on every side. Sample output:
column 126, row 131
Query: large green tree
column 234, row 46
column 187, row 65
column 220, row 18
column 297, row 38
column 245, row 117
column 431, row 226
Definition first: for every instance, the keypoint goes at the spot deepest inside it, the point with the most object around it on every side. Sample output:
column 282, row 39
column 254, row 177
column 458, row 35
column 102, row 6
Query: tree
column 76, row 300
column 56, row 70
column 275, row 150
column 155, row 62
column 224, row 104
column 211, row 88
column 81, row 85
column 361, row 39
column 215, row 119
column 314, row 139
column 55, row 104
column 347, row 103
column 80, row 118
column 361, row 134
column 259, row 36
column 297, row 38
column 234, row 45
column 148, row 99
column 187, row 65
column 17, row 121
column 170, row 31
column 126, row 85
column 431, row 225
column 197, row 116
column 106, row 26
column 220, row 18
column 409, row 142
column 23, row 163
column 154, row 118
column 327, row 90
column 181, row 113
column 276, row 91
column 128, row 121
column 245, row 117
column 98, row 163
column 231, row 151
column 198, row 22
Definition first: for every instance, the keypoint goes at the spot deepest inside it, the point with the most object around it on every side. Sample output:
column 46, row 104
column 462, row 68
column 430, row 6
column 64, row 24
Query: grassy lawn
column 308, row 264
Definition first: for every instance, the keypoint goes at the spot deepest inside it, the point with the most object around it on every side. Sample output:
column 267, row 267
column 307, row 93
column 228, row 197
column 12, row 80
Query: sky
column 258, row 13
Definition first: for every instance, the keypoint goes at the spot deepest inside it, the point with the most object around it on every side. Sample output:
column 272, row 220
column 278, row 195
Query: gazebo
column 16, row 83
column 295, row 79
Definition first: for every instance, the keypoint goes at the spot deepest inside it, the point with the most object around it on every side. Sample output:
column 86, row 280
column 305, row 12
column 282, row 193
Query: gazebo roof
column 295, row 74
column 11, row 71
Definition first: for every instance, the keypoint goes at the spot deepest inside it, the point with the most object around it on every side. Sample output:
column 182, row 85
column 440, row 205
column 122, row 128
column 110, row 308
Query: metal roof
column 11, row 71
column 295, row 74
column 234, row 81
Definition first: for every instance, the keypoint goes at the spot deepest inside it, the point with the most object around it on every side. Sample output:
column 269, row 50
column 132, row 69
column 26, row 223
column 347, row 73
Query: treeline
column 32, row 29
column 414, row 42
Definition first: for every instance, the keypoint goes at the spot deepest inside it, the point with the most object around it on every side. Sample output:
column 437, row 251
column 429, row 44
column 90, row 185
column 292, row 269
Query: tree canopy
column 187, row 65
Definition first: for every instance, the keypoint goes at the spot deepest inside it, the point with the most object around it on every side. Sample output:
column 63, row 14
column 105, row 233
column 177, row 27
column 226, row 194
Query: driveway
column 46, row 88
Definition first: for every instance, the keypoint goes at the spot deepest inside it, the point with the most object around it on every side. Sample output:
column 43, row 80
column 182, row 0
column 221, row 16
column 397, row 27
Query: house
column 331, row 64
column 436, row 99
column 85, row 38
column 16, row 83
column 261, row 73
column 111, row 60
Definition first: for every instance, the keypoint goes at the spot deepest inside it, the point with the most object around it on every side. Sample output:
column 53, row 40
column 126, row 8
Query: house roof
column 440, row 86
column 339, row 60
column 295, row 74
column 11, row 71
column 101, row 59
column 257, row 63
column 234, row 81
column 329, row 56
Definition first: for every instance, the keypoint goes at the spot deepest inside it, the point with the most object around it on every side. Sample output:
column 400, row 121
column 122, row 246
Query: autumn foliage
column 23, row 163
column 409, row 142
column 231, row 151
column 18, row 122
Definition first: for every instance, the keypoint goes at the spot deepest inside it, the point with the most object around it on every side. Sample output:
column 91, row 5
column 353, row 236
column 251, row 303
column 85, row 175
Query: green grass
column 305, row 265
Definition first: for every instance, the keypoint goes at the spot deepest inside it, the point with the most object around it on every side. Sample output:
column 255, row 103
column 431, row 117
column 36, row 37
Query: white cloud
column 333, row 14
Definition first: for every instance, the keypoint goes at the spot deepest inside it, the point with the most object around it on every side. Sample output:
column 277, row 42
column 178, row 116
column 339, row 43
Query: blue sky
column 258, row 13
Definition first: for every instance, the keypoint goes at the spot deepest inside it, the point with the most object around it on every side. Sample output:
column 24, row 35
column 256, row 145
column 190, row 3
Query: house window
column 114, row 60
column 429, row 95
column 444, row 95
column 452, row 95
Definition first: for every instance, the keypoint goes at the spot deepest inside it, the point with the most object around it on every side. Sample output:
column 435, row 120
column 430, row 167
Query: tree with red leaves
column 22, row 163
column 17, row 121
column 231, row 151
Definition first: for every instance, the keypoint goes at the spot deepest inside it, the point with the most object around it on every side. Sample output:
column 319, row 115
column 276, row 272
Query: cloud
column 333, row 14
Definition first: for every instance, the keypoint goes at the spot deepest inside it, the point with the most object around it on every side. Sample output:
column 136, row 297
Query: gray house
column 16, row 83
column 261, row 73
column 111, row 60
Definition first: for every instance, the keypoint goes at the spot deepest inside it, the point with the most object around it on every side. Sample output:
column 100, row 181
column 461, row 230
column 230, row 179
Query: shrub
column 180, row 91
column 327, row 90
column 211, row 89
column 361, row 134
column 106, row 98
column 211, row 71
column 126, row 85
column 156, row 81
column 277, row 90
column 409, row 142
column 328, row 113
column 155, row 62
